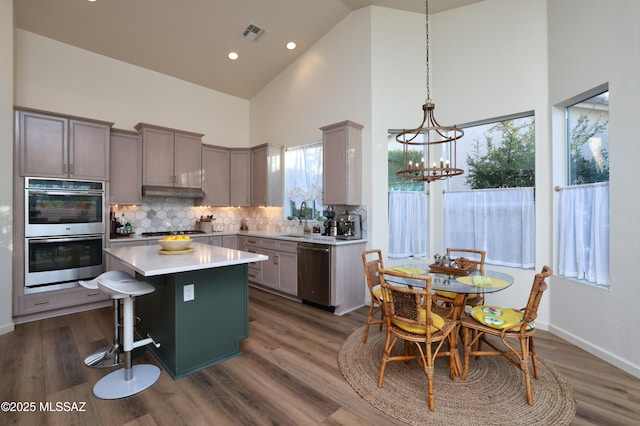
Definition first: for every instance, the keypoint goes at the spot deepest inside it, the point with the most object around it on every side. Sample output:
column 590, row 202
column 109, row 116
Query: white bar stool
column 129, row 380
column 109, row 356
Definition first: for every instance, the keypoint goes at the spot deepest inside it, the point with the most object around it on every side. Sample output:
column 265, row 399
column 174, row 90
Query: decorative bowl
column 174, row 245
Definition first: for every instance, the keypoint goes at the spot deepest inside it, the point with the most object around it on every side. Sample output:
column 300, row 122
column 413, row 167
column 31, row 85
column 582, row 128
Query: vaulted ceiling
column 190, row 39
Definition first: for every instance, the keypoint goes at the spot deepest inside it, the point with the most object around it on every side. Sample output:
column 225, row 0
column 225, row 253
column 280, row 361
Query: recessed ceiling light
column 233, row 56
column 291, row 45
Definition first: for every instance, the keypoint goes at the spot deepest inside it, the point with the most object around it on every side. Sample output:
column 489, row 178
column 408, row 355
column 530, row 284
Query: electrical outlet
column 188, row 292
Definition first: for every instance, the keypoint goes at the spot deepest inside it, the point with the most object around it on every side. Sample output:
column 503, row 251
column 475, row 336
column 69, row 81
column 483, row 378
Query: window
column 588, row 140
column 583, row 206
column 497, row 153
column 492, row 206
column 408, row 206
column 303, row 181
column 396, row 162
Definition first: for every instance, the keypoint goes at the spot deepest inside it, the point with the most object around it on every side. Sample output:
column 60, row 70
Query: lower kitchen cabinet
column 226, row 241
column 280, row 271
column 205, row 239
column 230, row 242
column 270, row 269
column 348, row 286
column 30, row 304
column 115, row 264
column 252, row 245
column 288, row 272
column 216, row 241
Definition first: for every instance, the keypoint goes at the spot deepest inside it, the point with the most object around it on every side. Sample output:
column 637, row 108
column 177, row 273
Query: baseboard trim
column 7, row 328
column 611, row 358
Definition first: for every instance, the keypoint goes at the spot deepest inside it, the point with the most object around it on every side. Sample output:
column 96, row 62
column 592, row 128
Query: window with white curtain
column 583, row 206
column 408, row 206
column 499, row 221
column 491, row 207
column 408, row 224
column 303, row 180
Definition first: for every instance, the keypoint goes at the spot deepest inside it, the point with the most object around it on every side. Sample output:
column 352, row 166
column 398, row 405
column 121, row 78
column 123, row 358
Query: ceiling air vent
column 252, row 32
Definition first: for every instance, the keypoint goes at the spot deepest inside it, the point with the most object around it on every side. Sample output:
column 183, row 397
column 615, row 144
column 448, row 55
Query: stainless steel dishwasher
column 314, row 273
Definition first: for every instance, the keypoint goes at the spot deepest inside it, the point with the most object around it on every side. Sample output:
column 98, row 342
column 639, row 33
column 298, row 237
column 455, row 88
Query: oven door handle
column 92, row 193
column 64, row 239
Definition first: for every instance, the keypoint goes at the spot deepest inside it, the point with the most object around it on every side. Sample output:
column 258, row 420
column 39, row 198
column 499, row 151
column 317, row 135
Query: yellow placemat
column 409, row 270
column 482, row 281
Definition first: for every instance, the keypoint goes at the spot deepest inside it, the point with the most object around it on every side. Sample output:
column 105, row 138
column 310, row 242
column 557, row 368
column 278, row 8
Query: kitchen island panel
column 198, row 333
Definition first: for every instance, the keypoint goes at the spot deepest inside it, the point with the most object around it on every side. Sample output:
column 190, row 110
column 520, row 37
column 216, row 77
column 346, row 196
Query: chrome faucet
column 303, row 208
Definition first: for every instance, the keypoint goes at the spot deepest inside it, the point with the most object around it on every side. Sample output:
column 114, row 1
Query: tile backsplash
column 178, row 214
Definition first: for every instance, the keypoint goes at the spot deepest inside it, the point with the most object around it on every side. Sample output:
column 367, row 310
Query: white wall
column 489, row 60
column 330, row 82
column 591, row 43
column 6, row 163
column 363, row 70
column 398, row 92
column 57, row 77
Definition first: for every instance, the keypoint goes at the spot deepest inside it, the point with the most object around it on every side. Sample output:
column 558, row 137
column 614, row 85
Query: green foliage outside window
column 591, row 168
column 505, row 158
column 396, row 162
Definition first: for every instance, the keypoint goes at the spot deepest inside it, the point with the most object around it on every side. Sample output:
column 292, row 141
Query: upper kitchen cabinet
column 170, row 157
column 215, row 176
column 59, row 146
column 342, row 163
column 126, row 167
column 266, row 175
column 239, row 177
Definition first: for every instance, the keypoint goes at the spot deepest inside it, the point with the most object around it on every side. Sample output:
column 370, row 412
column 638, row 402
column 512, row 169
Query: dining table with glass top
column 461, row 285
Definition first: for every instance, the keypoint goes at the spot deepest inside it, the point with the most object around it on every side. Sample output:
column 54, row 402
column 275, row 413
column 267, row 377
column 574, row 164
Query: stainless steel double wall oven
column 64, row 232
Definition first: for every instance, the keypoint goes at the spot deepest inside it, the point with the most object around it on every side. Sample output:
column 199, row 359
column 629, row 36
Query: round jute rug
column 493, row 392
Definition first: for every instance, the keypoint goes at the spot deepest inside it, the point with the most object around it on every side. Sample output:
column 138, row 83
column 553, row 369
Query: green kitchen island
column 199, row 310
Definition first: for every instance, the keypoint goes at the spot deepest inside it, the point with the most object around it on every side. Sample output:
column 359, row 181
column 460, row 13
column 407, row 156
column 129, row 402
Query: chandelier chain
column 426, row 30
column 437, row 141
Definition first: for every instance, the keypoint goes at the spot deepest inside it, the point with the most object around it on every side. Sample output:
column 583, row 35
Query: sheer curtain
column 408, row 224
column 498, row 221
column 303, row 174
column 583, row 243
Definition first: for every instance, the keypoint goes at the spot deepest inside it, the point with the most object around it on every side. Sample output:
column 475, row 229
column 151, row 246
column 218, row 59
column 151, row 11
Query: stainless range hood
column 170, row 191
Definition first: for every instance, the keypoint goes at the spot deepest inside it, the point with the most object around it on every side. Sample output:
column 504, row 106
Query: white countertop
column 147, row 261
column 309, row 238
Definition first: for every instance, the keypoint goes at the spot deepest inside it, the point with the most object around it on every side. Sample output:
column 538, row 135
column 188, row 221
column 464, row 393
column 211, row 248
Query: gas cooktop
column 163, row 233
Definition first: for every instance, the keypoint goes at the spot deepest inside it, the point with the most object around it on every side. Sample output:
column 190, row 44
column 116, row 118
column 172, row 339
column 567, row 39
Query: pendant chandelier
column 431, row 136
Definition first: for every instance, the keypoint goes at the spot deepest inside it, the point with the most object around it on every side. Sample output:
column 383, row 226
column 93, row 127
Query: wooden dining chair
column 509, row 326
column 409, row 318
column 444, row 299
column 372, row 261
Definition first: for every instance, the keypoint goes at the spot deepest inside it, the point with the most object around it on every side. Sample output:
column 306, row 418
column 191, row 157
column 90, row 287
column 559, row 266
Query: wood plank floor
column 287, row 375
